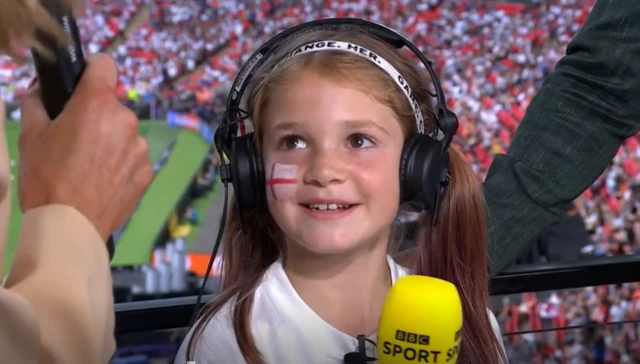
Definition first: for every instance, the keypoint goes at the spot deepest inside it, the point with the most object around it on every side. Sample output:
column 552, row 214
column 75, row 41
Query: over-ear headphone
column 424, row 165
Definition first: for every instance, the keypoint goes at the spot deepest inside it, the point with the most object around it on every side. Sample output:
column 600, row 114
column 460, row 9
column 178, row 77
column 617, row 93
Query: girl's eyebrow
column 286, row 126
column 364, row 124
column 349, row 123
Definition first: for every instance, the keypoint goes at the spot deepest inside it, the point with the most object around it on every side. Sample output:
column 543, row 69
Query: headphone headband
column 383, row 64
column 446, row 122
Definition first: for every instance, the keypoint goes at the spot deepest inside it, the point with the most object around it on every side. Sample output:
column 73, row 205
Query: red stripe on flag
column 278, row 181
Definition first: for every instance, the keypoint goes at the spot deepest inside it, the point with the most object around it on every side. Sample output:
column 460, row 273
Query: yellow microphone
column 421, row 322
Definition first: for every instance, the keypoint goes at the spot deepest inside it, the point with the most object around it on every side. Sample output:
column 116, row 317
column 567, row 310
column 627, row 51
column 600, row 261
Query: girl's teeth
column 327, row 207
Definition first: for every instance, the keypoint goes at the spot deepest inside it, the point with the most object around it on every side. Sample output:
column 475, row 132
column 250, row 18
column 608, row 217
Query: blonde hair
column 248, row 254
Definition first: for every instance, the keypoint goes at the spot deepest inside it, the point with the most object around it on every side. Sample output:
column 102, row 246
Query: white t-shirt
column 284, row 328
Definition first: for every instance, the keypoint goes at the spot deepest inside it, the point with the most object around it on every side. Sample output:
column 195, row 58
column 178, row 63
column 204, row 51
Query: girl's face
column 331, row 156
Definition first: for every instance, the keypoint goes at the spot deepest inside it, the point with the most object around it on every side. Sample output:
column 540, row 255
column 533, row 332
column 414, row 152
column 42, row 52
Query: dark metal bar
column 153, row 315
column 553, row 276
column 174, row 313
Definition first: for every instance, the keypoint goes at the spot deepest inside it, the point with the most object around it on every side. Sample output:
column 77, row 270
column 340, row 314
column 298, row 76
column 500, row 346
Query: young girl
column 305, row 278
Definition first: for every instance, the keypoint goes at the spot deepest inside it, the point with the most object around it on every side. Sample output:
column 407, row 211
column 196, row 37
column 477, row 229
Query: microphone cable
column 225, row 179
column 212, row 258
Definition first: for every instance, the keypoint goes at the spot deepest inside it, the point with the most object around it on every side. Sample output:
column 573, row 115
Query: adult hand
column 90, row 157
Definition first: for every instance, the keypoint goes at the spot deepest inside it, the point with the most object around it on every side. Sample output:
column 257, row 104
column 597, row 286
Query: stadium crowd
column 582, row 309
column 492, row 58
column 103, row 22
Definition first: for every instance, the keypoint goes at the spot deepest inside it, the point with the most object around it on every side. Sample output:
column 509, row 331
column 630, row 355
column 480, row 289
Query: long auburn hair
column 455, row 250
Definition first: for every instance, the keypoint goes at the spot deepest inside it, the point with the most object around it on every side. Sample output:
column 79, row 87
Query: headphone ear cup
column 422, row 167
column 247, row 173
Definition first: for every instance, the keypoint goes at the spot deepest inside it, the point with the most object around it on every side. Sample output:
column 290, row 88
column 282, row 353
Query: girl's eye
column 360, row 141
column 292, row 142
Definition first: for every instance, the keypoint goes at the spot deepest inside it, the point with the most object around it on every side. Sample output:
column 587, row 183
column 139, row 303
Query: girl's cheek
column 282, row 180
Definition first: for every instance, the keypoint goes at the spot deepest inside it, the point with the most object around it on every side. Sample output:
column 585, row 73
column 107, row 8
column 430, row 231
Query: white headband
column 336, row 45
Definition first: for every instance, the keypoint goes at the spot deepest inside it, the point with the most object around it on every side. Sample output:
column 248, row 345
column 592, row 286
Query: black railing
column 155, row 315
column 166, row 314
column 554, row 276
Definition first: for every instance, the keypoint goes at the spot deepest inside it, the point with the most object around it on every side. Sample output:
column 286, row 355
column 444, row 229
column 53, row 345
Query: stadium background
column 176, row 60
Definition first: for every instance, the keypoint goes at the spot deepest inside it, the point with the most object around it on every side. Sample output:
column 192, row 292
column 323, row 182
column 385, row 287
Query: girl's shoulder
column 397, row 270
column 495, row 327
column 216, row 341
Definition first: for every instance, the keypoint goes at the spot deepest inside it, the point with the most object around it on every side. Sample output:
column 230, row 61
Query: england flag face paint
column 282, row 180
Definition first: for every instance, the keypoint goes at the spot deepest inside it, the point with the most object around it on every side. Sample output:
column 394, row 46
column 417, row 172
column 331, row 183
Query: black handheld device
column 58, row 78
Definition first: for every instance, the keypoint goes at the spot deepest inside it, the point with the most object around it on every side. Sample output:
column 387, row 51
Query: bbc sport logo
column 412, row 338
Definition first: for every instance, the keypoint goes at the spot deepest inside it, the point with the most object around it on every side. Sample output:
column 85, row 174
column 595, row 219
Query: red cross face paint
column 282, row 181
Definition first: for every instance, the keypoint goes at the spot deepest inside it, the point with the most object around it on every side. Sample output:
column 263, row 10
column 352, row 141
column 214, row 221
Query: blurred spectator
column 191, row 216
column 579, row 308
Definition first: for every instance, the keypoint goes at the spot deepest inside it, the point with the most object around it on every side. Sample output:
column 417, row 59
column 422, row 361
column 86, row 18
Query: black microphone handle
column 59, row 78
column 354, row 358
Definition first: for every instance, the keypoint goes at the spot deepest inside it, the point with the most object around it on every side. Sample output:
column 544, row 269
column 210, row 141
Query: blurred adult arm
column 57, row 306
column 80, row 177
column 572, row 130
